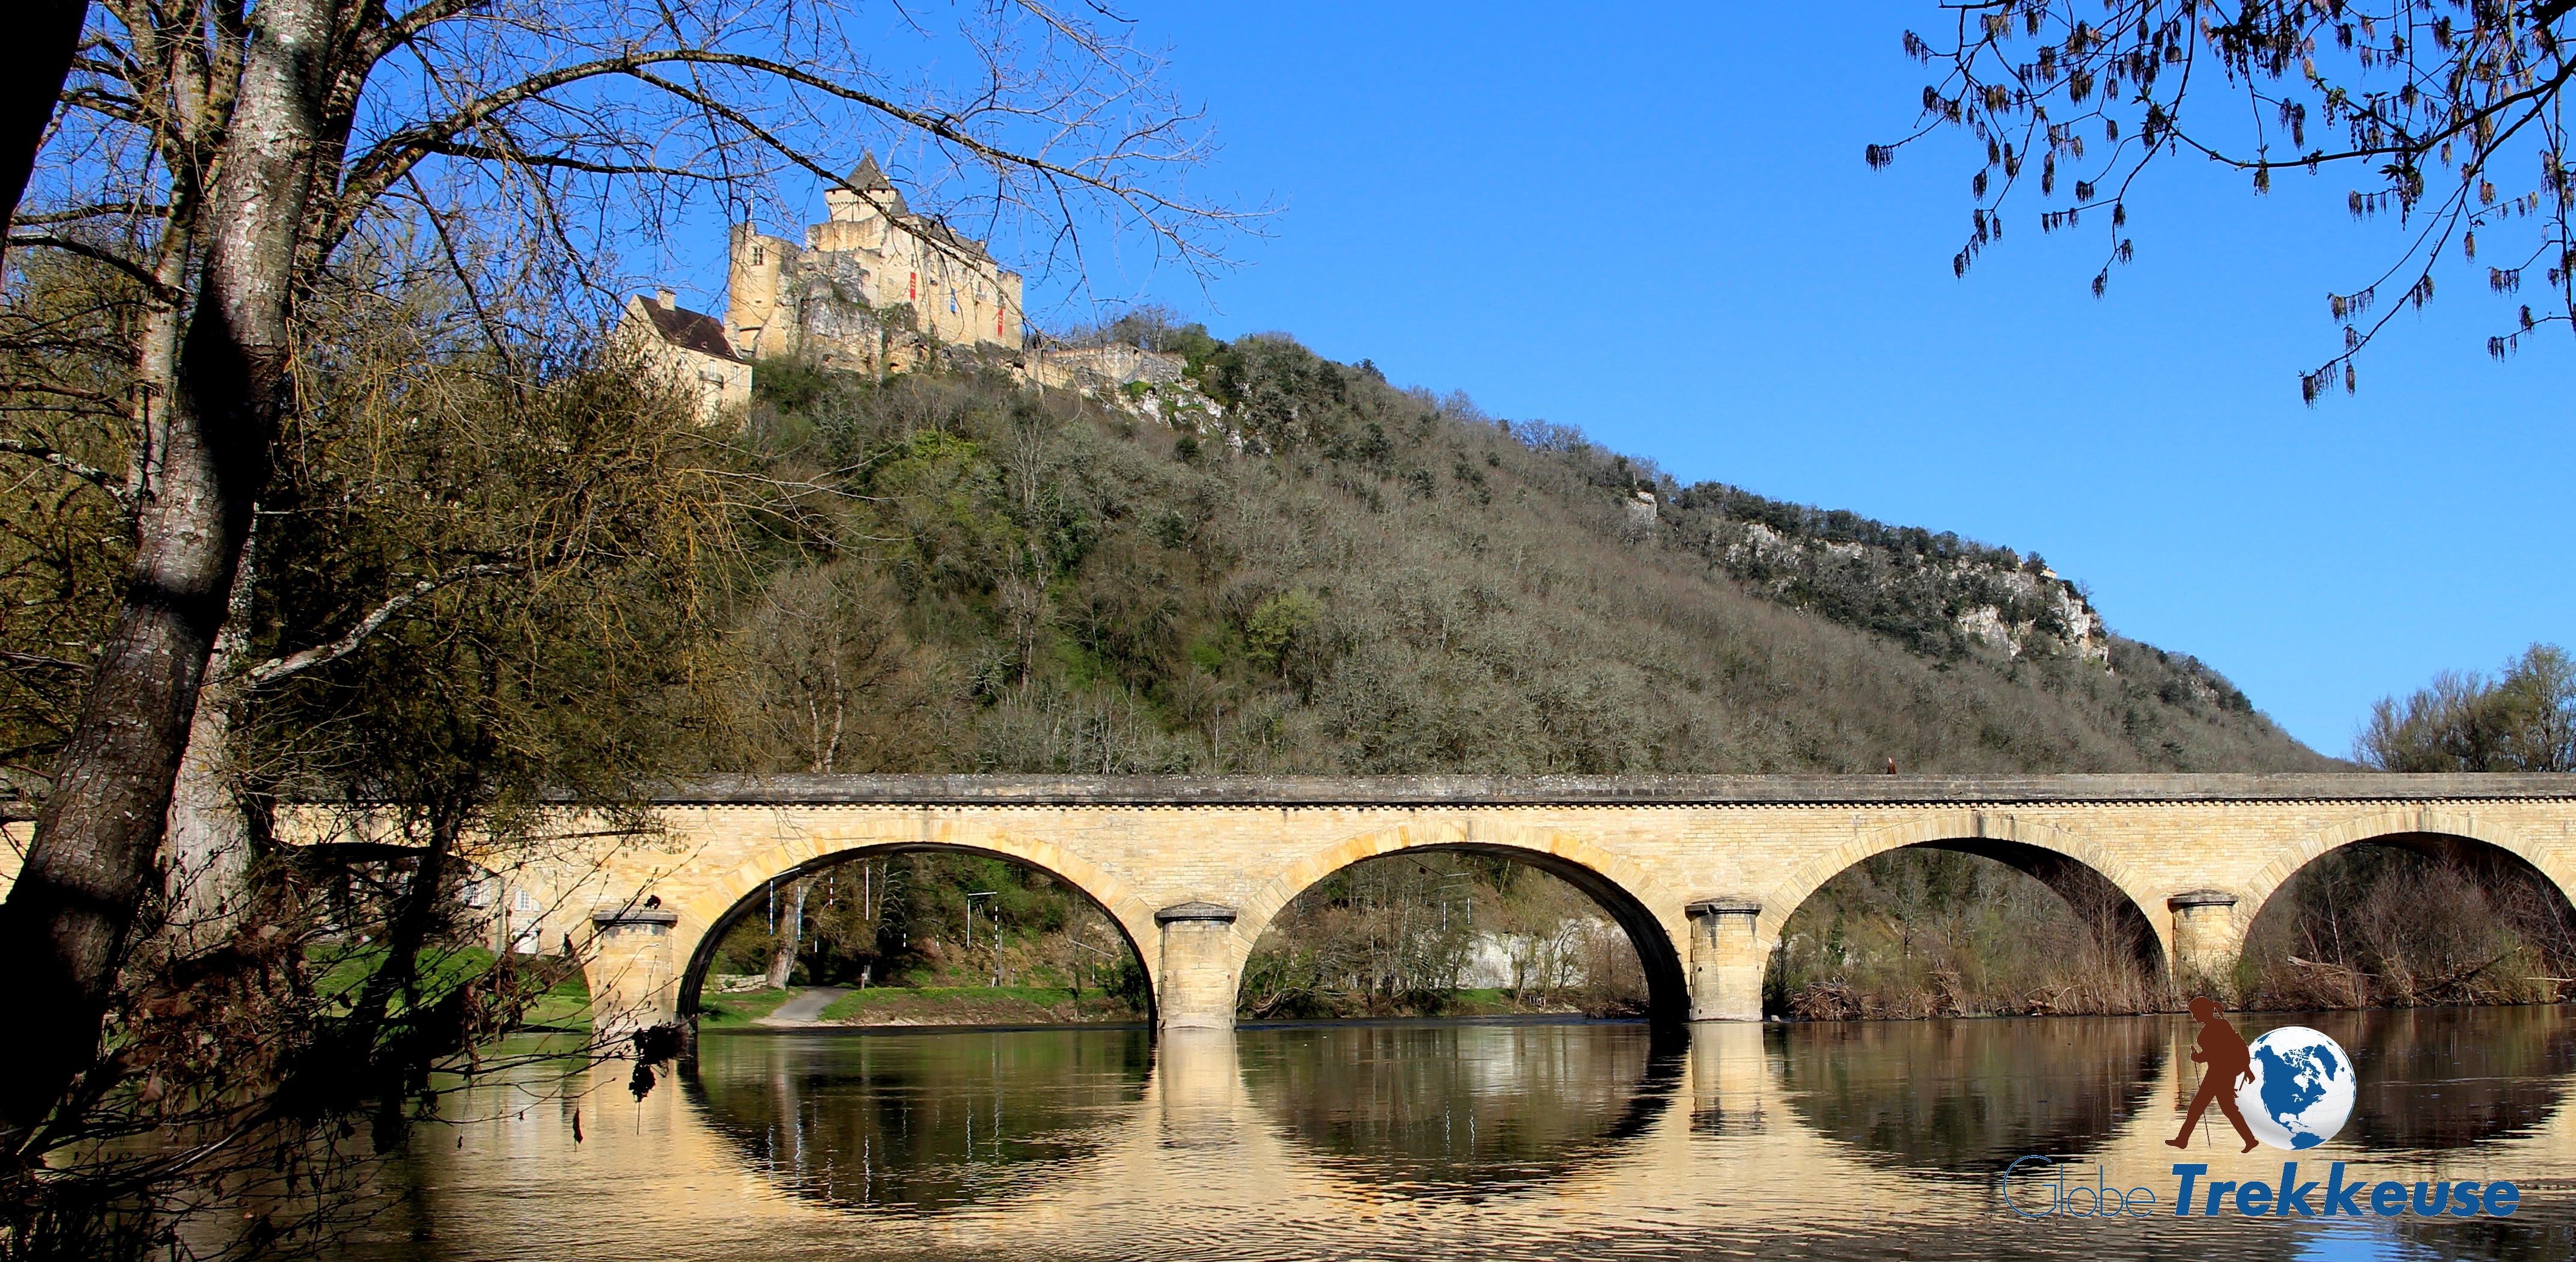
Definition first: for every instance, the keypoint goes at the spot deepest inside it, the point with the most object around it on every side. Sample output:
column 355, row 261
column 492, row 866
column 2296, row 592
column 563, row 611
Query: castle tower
column 760, row 315
column 881, row 198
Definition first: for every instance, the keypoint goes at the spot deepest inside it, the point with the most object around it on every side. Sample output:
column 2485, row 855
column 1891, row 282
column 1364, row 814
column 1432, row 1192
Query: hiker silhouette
column 2230, row 1063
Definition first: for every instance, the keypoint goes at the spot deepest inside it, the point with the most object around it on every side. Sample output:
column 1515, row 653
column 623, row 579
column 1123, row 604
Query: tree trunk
column 41, row 45
column 206, row 852
column 68, row 919
column 783, row 964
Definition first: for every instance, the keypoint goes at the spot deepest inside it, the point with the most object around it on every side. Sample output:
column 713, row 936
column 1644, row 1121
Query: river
column 1464, row 1140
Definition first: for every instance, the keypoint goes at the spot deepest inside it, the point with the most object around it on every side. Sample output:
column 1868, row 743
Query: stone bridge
column 1702, row 871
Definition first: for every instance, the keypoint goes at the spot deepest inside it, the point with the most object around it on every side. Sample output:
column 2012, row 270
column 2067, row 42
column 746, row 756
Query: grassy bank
column 977, row 1005
column 717, row 1012
column 564, row 1006
column 341, row 974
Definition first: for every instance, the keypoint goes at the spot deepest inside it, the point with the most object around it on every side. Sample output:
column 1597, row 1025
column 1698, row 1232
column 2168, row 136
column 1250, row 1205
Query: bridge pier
column 1195, row 980
column 2206, row 941
column 1726, row 960
column 633, row 983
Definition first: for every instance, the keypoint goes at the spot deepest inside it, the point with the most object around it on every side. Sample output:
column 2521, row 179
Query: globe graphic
column 2302, row 1090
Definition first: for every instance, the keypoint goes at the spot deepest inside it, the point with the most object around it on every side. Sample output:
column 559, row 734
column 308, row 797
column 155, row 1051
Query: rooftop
column 688, row 330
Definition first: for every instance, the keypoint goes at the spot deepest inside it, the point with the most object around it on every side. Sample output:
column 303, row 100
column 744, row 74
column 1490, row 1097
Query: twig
column 277, row 668
column 95, row 477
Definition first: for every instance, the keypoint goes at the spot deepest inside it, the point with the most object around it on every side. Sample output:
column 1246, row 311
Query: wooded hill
column 1324, row 573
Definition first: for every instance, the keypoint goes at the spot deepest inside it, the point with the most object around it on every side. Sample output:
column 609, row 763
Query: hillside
column 1286, row 565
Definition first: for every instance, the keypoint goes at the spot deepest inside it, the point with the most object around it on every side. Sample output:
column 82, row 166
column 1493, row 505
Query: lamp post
column 997, row 931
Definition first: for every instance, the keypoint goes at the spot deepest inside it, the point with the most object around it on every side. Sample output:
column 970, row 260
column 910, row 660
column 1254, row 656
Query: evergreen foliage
column 1328, row 574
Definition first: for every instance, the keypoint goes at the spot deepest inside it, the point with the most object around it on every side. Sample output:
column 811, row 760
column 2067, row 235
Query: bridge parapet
column 2194, row 856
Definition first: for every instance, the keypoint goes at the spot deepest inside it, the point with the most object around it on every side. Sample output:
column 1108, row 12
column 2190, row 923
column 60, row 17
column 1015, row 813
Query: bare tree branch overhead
column 2448, row 117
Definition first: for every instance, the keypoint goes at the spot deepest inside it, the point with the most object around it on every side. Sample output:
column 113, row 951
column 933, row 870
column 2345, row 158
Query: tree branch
column 140, row 275
column 145, row 209
column 513, row 153
column 373, row 172
column 114, row 486
column 277, row 668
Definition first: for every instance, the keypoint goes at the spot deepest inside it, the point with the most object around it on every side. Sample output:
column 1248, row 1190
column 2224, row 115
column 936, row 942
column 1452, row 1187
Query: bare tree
column 823, row 653
column 2450, row 115
column 2523, row 719
column 225, row 160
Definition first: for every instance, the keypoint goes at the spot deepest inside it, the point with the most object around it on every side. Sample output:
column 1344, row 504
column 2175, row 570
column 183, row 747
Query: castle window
column 755, row 256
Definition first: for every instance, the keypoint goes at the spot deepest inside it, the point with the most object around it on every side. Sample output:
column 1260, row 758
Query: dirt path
column 804, row 1008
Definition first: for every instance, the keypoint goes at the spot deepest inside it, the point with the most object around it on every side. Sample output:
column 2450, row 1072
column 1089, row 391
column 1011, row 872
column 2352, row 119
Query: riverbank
column 1014, row 1006
column 914, row 1006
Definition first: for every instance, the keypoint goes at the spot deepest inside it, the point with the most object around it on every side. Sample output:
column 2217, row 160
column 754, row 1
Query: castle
column 865, row 276
column 874, row 289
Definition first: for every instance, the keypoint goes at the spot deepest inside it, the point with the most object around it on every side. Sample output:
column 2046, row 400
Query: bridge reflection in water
column 1437, row 1140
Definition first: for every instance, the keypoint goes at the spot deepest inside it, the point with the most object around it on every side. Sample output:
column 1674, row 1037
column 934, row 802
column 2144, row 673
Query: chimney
column 665, row 297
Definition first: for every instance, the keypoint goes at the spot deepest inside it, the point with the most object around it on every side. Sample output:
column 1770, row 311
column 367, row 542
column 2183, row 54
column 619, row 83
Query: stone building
column 876, row 289
column 690, row 349
column 869, row 285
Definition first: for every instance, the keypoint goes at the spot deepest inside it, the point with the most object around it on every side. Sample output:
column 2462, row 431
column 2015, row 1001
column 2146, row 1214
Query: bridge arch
column 2416, row 828
column 2071, row 864
column 2428, row 830
column 2019, row 843
column 1634, row 900
column 711, row 907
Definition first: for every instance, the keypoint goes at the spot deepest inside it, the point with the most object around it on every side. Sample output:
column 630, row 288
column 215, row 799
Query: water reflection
column 1946, row 1098
column 923, row 1123
column 1439, row 1109
column 2515, row 1239
column 1462, row 1141
column 2440, row 1078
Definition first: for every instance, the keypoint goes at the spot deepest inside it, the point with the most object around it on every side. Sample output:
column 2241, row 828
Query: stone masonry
column 1702, row 872
column 863, row 281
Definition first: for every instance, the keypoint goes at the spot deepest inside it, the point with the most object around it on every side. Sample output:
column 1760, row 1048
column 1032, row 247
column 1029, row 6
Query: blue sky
column 1653, row 222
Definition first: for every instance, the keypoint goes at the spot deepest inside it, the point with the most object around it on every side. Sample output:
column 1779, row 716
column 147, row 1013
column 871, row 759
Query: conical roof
column 867, row 176
column 875, row 189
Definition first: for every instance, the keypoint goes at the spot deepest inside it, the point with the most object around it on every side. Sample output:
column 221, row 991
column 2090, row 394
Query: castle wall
column 1096, row 368
column 824, row 300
